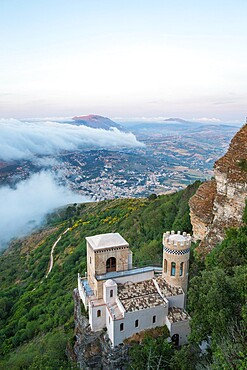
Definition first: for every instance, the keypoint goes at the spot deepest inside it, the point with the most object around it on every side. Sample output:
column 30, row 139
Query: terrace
column 176, row 314
column 139, row 296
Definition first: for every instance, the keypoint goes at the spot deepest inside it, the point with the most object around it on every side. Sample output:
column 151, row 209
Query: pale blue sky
column 123, row 58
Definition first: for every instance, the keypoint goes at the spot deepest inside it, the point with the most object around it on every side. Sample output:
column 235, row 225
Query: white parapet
column 82, row 292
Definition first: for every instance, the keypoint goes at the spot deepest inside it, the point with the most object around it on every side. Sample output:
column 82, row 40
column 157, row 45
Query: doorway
column 111, row 264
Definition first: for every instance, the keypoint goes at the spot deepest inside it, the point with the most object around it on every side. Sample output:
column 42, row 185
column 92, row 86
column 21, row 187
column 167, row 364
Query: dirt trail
column 52, row 250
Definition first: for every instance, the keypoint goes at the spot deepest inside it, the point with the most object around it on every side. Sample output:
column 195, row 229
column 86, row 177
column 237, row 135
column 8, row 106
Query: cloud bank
column 206, row 119
column 24, row 140
column 24, row 208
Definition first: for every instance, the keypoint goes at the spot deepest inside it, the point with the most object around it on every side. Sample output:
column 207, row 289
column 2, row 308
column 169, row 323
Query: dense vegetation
column 36, row 314
column 217, row 303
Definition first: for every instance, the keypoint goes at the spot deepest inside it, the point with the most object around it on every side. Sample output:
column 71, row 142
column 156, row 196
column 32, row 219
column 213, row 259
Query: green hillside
column 35, row 311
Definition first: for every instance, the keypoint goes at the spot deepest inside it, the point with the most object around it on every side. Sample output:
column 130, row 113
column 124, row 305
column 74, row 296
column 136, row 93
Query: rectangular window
column 181, row 269
column 111, row 293
column 173, row 269
column 165, row 266
column 121, row 326
column 98, row 313
column 136, row 323
column 154, row 319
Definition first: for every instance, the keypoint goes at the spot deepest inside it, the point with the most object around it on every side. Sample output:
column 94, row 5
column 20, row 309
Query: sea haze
column 23, row 208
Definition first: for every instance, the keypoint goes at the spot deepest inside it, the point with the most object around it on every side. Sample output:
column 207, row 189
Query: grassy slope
column 35, row 310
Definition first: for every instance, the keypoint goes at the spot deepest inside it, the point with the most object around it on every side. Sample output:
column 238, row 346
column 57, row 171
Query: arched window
column 173, row 269
column 154, row 319
column 136, row 323
column 181, row 271
column 165, row 265
column 121, row 326
column 111, row 264
column 111, row 293
column 98, row 313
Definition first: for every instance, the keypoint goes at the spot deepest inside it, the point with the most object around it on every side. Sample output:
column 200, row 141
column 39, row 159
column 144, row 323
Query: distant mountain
column 95, row 121
column 178, row 126
column 180, row 120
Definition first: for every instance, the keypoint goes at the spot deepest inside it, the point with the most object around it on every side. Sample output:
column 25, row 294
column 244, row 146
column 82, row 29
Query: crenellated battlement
column 177, row 240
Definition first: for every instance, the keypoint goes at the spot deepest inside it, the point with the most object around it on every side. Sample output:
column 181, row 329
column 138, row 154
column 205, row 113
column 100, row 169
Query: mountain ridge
column 96, row 121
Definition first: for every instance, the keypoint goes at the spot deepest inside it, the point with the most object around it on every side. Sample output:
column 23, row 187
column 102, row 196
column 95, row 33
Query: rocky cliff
column 92, row 350
column 219, row 203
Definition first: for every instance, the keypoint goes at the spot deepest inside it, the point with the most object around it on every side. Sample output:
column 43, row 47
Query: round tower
column 176, row 254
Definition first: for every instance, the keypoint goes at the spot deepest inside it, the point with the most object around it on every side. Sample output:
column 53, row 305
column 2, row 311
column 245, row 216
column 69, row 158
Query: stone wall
column 120, row 253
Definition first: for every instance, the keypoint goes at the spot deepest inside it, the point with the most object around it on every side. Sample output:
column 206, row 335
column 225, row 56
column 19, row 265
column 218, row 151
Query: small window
column 121, row 326
column 154, row 319
column 173, row 269
column 181, row 269
column 98, row 313
column 165, row 266
column 111, row 293
column 90, row 259
column 136, row 323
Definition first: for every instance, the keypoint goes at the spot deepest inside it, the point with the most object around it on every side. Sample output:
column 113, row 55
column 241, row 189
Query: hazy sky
column 123, row 58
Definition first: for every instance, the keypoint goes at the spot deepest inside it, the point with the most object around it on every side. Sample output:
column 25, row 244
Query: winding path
column 52, row 250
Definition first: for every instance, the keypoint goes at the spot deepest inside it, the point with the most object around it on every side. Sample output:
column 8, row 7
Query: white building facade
column 127, row 300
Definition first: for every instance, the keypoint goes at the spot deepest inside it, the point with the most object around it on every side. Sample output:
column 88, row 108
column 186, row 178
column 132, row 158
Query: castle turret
column 176, row 253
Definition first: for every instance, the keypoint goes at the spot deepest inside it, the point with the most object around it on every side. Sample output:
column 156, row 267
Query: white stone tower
column 176, row 253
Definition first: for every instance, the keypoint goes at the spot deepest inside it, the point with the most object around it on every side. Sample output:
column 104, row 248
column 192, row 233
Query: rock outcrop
column 202, row 200
column 92, row 350
column 219, row 203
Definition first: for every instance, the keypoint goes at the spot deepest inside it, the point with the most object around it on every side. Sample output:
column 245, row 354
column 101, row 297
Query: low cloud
column 206, row 119
column 24, row 208
column 140, row 119
column 24, row 140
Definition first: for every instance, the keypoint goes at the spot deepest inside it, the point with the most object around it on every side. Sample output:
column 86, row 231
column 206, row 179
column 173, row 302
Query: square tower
column 106, row 253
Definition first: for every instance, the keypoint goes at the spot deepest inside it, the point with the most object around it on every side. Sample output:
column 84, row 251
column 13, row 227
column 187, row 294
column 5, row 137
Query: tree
column 212, row 301
column 151, row 354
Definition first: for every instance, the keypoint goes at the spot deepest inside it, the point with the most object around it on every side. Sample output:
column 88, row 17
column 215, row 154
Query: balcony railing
column 133, row 271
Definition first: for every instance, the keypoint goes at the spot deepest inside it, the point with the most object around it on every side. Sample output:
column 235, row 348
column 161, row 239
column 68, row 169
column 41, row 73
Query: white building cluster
column 127, row 300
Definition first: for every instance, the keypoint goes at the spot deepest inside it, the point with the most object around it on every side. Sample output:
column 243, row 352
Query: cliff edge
column 219, row 203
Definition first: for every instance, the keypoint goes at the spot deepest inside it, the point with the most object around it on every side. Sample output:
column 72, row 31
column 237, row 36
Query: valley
column 174, row 156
